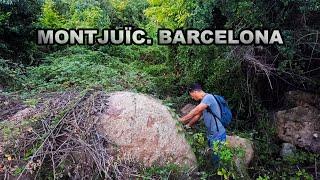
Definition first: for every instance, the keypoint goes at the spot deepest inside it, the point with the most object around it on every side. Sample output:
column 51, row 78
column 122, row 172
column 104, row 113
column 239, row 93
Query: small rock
column 287, row 150
column 23, row 114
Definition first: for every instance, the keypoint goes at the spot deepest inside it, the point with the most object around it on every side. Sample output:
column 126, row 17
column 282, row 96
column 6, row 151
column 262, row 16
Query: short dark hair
column 194, row 87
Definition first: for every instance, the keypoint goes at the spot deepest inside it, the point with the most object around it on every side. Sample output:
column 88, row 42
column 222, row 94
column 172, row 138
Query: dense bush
column 80, row 67
column 17, row 43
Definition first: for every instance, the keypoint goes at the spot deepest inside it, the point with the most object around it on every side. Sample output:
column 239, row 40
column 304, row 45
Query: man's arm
column 194, row 120
column 197, row 110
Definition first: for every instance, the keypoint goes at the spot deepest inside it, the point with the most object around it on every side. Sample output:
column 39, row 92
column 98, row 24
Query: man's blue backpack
column 226, row 115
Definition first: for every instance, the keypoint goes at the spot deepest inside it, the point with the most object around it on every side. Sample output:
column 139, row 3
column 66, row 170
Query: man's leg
column 215, row 157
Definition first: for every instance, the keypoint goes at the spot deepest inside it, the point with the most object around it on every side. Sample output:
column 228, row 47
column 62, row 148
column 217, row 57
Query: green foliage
column 4, row 17
column 267, row 161
column 145, row 54
column 200, row 17
column 78, row 14
column 10, row 132
column 302, row 174
column 218, row 74
column 17, row 30
column 85, row 15
column 308, row 6
column 18, row 171
column 169, row 14
column 263, row 177
column 50, row 18
column 231, row 14
column 242, row 13
column 193, row 62
column 130, row 12
column 166, row 70
column 153, row 60
column 80, row 67
column 10, row 74
column 31, row 102
column 162, row 172
column 301, row 157
column 228, row 167
column 198, row 143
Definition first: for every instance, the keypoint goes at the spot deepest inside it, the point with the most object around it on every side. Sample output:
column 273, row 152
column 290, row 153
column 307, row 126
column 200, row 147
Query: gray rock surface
column 300, row 126
column 287, row 149
column 144, row 129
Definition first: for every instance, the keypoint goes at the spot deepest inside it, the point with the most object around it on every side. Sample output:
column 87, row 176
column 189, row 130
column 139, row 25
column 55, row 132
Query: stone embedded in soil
column 243, row 143
column 287, row 150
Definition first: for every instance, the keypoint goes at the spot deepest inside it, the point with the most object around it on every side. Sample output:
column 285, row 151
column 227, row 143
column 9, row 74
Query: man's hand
column 187, row 127
column 197, row 111
column 182, row 120
column 194, row 115
column 207, row 151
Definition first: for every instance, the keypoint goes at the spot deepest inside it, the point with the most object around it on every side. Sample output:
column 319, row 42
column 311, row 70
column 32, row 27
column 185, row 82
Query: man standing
column 210, row 110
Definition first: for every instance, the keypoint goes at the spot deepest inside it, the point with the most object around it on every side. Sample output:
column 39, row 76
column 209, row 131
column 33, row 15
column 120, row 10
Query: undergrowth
column 81, row 67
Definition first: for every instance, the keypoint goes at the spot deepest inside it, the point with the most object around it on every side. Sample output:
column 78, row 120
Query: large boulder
column 300, row 126
column 144, row 129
